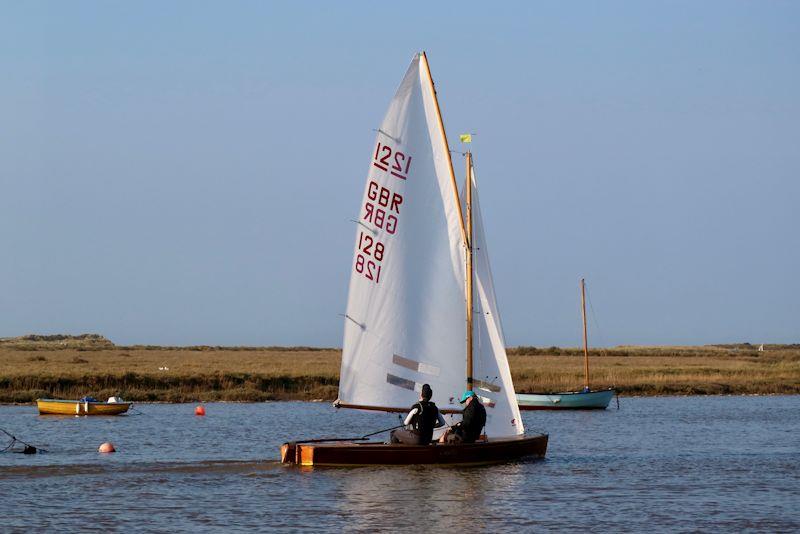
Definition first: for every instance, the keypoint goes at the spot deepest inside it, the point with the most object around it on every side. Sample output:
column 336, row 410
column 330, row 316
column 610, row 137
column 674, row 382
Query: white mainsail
column 491, row 373
column 405, row 316
column 406, row 313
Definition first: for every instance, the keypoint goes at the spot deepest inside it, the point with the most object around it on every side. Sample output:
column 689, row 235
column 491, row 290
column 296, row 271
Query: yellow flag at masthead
column 465, row 138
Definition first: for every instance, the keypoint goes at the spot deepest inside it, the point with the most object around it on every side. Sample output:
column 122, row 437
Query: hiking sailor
column 420, row 421
column 469, row 429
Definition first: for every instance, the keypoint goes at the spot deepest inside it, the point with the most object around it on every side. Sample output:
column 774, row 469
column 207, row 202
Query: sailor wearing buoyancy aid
column 420, row 421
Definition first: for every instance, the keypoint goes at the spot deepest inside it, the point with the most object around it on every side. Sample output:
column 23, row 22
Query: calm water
column 662, row 464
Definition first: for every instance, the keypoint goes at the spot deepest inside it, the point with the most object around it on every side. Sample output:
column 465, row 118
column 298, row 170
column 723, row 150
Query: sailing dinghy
column 420, row 278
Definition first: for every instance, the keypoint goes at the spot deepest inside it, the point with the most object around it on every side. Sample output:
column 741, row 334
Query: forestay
column 405, row 315
column 490, row 364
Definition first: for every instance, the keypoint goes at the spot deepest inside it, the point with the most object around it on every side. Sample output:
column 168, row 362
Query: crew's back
column 420, row 421
column 424, row 420
column 473, row 420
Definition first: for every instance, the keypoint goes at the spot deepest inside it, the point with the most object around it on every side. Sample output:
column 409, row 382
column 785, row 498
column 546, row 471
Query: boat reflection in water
column 438, row 499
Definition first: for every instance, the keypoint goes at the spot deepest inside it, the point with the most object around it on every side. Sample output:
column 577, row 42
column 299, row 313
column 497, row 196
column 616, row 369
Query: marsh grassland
column 74, row 366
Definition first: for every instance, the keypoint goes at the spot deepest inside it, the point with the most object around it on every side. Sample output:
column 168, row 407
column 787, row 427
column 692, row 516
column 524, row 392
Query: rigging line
column 14, row 438
column 365, row 436
column 13, row 441
column 594, row 317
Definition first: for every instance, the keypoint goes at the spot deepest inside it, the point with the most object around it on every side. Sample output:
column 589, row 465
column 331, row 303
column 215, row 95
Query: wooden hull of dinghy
column 71, row 407
column 372, row 453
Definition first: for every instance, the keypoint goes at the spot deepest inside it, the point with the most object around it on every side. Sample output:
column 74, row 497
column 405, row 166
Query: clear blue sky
column 185, row 172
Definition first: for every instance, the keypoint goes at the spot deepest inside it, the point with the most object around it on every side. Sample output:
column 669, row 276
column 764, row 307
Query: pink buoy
column 107, row 447
column 199, row 411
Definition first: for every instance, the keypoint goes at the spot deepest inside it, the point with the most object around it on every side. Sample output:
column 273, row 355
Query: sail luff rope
column 432, row 87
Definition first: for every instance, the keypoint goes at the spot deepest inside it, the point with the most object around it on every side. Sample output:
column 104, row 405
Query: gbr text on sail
column 381, row 210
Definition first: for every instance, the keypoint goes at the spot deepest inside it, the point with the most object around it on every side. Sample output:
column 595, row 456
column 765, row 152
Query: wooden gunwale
column 377, row 453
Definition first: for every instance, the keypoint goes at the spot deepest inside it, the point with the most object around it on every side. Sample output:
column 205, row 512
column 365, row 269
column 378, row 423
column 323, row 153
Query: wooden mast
column 424, row 59
column 469, row 273
column 466, row 235
column 585, row 340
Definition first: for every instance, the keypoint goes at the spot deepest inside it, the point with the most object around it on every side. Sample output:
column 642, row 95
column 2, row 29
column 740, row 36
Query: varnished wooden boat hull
column 72, row 407
column 372, row 453
column 593, row 400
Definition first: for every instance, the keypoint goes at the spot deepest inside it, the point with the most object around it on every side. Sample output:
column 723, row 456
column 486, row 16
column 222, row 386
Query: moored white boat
column 585, row 399
column 572, row 400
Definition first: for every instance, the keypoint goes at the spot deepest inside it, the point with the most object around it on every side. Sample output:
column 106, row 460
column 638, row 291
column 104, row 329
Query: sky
column 185, row 173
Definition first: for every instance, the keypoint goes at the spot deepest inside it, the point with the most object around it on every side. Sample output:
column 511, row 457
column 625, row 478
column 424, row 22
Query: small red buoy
column 199, row 411
column 107, row 447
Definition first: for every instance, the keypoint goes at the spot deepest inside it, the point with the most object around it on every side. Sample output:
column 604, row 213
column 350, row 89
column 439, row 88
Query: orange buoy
column 107, row 447
column 199, row 411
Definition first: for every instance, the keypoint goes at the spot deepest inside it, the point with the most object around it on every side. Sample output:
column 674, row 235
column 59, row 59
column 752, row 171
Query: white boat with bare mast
column 571, row 400
column 421, row 274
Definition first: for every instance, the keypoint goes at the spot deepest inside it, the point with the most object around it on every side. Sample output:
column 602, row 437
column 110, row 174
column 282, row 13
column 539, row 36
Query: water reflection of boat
column 421, row 275
column 444, row 500
column 80, row 407
column 571, row 400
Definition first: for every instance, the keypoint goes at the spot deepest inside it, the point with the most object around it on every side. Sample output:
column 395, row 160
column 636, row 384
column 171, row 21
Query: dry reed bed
column 73, row 368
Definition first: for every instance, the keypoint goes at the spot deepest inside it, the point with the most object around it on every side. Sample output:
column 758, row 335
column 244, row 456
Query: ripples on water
column 659, row 464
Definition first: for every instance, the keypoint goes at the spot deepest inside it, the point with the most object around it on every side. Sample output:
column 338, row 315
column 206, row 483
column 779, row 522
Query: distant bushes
column 194, row 388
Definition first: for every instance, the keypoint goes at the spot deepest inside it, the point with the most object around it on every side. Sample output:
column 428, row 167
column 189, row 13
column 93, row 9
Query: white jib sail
column 490, row 364
column 405, row 316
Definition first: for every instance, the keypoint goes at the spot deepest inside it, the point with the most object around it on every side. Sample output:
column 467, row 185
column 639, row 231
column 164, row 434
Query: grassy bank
column 70, row 367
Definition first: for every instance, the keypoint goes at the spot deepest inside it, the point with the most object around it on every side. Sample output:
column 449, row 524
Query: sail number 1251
column 369, row 257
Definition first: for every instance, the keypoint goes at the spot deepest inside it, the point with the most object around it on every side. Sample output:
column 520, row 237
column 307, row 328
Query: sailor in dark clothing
column 472, row 421
column 420, row 421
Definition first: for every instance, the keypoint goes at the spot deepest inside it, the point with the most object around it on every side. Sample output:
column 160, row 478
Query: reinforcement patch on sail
column 402, row 382
column 420, row 367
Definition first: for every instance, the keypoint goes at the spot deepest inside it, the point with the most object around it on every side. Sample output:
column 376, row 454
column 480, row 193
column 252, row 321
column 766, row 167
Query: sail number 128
column 368, row 260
